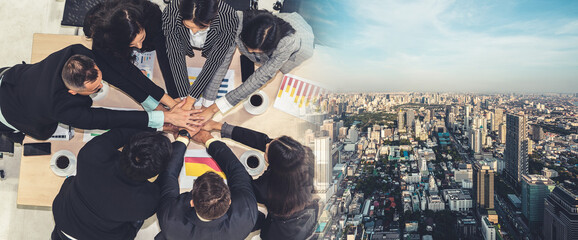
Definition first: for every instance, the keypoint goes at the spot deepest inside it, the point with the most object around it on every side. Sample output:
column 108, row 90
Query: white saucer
column 68, row 171
column 257, row 110
column 253, row 171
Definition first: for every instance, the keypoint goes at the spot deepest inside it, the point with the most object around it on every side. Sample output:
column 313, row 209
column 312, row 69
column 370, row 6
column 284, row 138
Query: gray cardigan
column 291, row 51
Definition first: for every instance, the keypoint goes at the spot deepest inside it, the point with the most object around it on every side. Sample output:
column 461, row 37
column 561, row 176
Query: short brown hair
column 77, row 70
column 211, row 196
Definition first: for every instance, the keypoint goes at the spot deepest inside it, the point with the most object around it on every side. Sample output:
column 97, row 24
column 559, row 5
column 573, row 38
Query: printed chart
column 145, row 61
column 300, row 97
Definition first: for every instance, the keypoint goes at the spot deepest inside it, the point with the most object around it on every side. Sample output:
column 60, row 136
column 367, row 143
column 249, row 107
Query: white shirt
column 198, row 39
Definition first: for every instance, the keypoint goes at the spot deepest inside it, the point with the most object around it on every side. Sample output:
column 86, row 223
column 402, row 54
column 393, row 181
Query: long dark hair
column 202, row 12
column 291, row 178
column 113, row 27
column 262, row 30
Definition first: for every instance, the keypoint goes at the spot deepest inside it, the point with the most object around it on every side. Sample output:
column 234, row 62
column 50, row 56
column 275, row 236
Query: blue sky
column 444, row 45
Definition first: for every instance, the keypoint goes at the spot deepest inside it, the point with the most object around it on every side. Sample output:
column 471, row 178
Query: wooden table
column 38, row 185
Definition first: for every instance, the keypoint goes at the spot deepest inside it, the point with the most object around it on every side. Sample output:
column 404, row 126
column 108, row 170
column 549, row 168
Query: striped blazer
column 291, row 51
column 218, row 49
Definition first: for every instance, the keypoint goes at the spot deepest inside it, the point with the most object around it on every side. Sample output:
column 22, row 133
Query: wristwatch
column 185, row 133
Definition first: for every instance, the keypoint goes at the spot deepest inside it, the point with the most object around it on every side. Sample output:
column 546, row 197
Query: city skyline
column 455, row 46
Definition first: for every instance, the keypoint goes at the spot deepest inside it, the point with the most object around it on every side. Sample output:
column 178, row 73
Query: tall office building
column 328, row 125
column 400, row 122
column 484, row 184
column 409, row 118
column 535, row 188
column 467, row 118
column 353, row 134
column 498, row 116
column 488, row 229
column 476, row 140
column 561, row 214
column 427, row 116
column 516, row 152
column 537, row 133
column 502, row 133
column 323, row 168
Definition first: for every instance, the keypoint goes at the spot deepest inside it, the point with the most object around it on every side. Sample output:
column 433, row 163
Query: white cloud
column 569, row 28
column 401, row 45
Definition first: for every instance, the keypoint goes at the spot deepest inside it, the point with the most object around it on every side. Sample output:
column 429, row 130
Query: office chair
column 75, row 10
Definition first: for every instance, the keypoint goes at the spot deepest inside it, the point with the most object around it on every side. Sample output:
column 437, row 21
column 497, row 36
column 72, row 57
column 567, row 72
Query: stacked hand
column 188, row 119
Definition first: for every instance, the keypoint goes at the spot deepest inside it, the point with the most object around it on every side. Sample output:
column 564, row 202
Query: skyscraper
column 498, row 116
column 409, row 118
column 535, row 188
column 561, row 214
column 484, row 183
column 328, row 125
column 502, row 133
column 537, row 133
column 467, row 118
column 400, row 122
column 323, row 168
column 353, row 134
column 516, row 152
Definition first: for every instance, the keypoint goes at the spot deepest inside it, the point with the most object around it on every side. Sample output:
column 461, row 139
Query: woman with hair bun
column 286, row 185
column 276, row 42
column 116, row 28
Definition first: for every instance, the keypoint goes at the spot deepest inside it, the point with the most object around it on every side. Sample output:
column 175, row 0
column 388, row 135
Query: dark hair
column 262, row 30
column 291, row 178
column 211, row 196
column 144, row 156
column 78, row 70
column 202, row 12
column 113, row 26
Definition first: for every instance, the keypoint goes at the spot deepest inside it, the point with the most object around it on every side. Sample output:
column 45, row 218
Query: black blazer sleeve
column 243, row 210
column 127, row 77
column 169, row 178
column 77, row 112
column 250, row 138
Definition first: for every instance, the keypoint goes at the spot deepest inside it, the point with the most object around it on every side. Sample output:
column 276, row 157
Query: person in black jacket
column 211, row 210
column 285, row 187
column 113, row 192
column 116, row 28
column 34, row 98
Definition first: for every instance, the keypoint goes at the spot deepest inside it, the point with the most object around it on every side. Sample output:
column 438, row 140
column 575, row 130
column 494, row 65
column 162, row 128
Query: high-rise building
column 323, row 168
column 561, row 214
column 535, row 188
column 328, row 125
column 336, row 127
column 484, row 184
column 467, row 118
column 353, row 134
column 409, row 118
column 400, row 122
column 343, row 132
column 488, row 230
column 537, row 133
column 476, row 140
column 427, row 116
column 502, row 133
column 516, row 152
column 498, row 116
